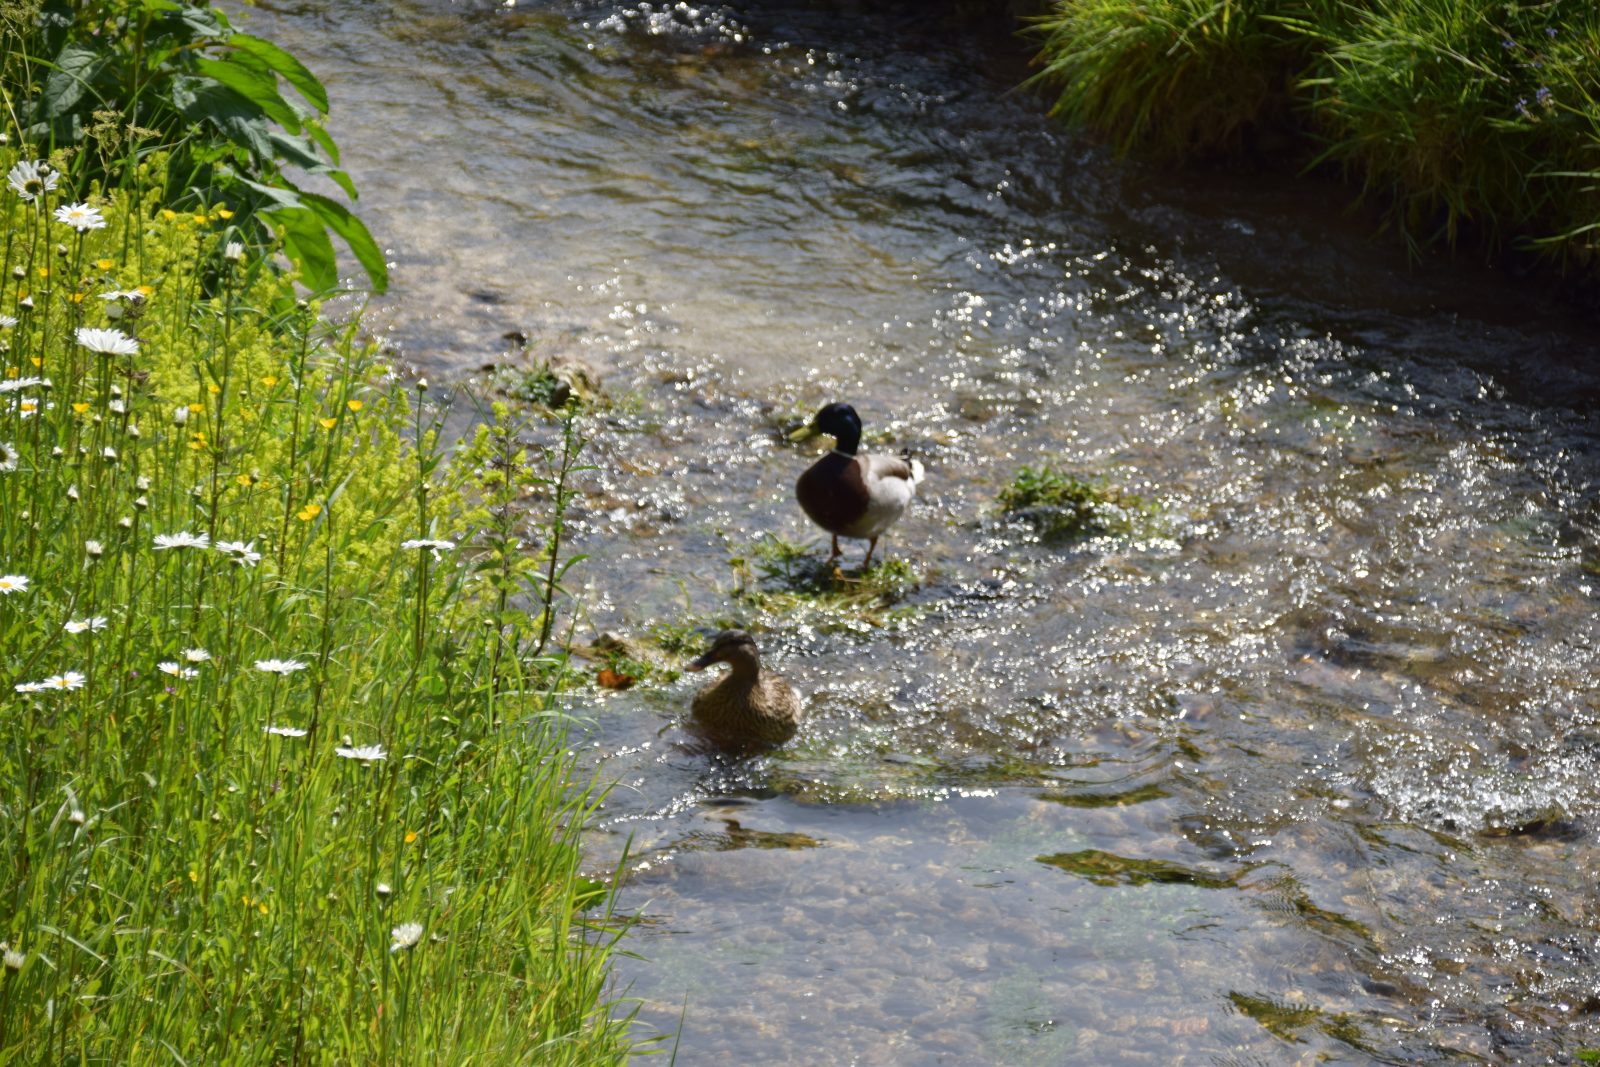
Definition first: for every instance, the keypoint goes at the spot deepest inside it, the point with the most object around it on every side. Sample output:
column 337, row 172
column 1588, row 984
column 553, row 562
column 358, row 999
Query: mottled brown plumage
column 747, row 707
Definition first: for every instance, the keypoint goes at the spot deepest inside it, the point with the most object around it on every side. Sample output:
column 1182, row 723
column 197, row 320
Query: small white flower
column 406, row 935
column 436, row 545
column 93, row 624
column 14, row 959
column 80, row 217
column 132, row 296
column 109, row 454
column 72, row 493
column 243, row 554
column 76, row 817
column 117, row 407
column 26, row 303
column 383, row 889
column 107, row 342
column 177, row 670
column 180, row 414
column 94, row 549
column 180, row 540
column 126, row 522
column 279, row 666
column 233, row 250
column 6, row 322
column 364, row 753
column 285, row 731
column 196, row 655
column 142, row 484
column 12, row 385
column 12, row 583
column 8, row 457
column 69, row 680
column 32, row 179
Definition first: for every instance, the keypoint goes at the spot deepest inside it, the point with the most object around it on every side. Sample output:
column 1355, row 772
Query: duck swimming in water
column 850, row 495
column 745, row 708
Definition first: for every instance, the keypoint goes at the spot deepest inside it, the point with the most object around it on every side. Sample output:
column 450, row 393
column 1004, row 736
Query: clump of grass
column 1063, row 507
column 1463, row 119
column 1170, row 78
column 285, row 778
column 792, row 579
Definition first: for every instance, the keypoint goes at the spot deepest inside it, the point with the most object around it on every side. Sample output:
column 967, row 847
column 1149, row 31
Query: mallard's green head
column 838, row 421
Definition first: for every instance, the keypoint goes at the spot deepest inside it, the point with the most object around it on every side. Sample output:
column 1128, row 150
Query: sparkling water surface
column 1302, row 771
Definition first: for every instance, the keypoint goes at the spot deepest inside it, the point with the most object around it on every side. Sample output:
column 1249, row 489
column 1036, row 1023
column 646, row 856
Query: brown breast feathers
column 832, row 492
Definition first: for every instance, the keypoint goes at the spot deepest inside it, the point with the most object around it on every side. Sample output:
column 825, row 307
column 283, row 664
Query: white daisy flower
column 383, row 889
column 180, row 540
column 12, row 385
column 93, row 624
column 132, row 296
column 107, row 342
column 279, row 666
column 6, row 322
column 94, row 548
column 13, row 959
column 436, row 545
column 180, row 414
column 12, row 583
column 28, row 687
column 8, row 456
column 233, row 250
column 285, row 731
column 406, row 935
column 243, row 554
column 196, row 655
column 80, row 217
column 32, row 179
column 364, row 753
column 177, row 670
column 69, row 680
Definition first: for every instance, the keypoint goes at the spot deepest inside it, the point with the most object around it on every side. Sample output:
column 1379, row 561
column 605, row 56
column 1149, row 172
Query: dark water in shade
column 1303, row 772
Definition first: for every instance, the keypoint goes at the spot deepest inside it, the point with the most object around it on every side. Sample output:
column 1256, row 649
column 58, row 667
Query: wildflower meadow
column 280, row 780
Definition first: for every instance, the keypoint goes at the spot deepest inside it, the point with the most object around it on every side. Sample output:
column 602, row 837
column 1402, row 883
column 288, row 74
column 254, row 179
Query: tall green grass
column 280, row 780
column 1468, row 121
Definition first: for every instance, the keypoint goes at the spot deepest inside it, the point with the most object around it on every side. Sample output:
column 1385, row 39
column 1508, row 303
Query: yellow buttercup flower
column 201, row 219
column 168, row 214
column 195, row 409
column 147, row 290
column 37, row 361
column 103, row 264
column 309, row 512
column 44, row 272
column 213, row 388
column 354, row 405
column 270, row 380
column 80, row 407
column 224, row 214
column 328, row 424
column 193, row 877
column 76, row 298
column 411, row 835
column 244, row 479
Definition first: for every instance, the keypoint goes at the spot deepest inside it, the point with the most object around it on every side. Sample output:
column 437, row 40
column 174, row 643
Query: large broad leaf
column 293, row 71
column 75, row 69
column 306, row 243
column 341, row 221
column 255, row 84
column 300, row 152
column 237, row 119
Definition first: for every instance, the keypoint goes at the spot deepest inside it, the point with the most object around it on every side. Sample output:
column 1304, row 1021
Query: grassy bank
column 1471, row 122
column 280, row 781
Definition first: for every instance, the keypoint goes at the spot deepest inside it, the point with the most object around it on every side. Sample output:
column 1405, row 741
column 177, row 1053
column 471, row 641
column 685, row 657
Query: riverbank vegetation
column 282, row 780
column 1469, row 122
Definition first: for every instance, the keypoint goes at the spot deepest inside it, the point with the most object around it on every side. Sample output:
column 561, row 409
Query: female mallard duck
column 850, row 495
column 745, row 707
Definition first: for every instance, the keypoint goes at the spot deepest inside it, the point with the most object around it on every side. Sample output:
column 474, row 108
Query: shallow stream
column 1303, row 770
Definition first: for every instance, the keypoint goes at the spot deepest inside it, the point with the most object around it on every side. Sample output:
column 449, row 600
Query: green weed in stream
column 1061, row 506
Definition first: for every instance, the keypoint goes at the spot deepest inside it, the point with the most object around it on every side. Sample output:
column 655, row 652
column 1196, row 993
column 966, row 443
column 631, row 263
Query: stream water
column 1303, row 770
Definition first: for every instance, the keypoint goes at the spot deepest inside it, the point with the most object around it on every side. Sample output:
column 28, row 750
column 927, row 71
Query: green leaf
column 293, row 71
column 298, row 150
column 257, row 86
column 306, row 243
column 237, row 119
column 75, row 68
column 343, row 222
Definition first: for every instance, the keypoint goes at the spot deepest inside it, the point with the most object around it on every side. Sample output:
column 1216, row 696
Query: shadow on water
column 1302, row 769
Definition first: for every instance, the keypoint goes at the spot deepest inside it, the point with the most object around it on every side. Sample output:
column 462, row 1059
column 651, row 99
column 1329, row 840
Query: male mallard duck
column 745, row 707
column 850, row 495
